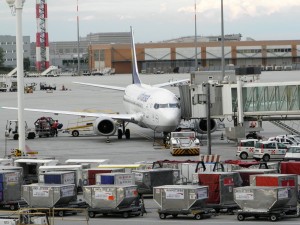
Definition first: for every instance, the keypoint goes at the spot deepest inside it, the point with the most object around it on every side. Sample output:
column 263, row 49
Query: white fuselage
column 158, row 108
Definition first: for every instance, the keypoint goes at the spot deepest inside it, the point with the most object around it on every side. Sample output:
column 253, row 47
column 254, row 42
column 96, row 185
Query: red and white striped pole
column 42, row 38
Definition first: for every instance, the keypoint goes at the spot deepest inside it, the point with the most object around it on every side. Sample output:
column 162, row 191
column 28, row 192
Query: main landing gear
column 123, row 131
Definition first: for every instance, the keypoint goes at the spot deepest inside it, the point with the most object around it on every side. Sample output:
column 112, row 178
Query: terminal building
column 98, row 51
column 8, row 45
column 179, row 56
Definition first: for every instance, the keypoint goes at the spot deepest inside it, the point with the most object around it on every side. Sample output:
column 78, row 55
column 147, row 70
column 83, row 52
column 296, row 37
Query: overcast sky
column 157, row 20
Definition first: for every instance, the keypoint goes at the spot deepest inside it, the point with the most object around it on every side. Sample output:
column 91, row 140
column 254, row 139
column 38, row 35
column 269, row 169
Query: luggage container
column 291, row 167
column 115, row 179
column 147, row 179
column 254, row 201
column 182, row 200
column 280, row 180
column 186, row 168
column 31, row 168
column 112, row 199
column 78, row 169
column 6, row 162
column 246, row 173
column 48, row 195
column 10, row 190
column 59, row 177
column 221, row 186
column 89, row 175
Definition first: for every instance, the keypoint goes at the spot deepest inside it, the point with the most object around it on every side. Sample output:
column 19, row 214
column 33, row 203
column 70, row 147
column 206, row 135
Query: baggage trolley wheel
column 240, row 217
column 91, row 214
column 12, row 207
column 162, row 216
column 125, row 214
column 273, row 217
column 198, row 216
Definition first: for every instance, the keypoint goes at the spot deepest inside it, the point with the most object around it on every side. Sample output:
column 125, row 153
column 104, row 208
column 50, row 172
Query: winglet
column 135, row 72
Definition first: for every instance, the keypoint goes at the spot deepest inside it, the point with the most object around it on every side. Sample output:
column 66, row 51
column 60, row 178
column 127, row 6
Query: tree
column 1, row 56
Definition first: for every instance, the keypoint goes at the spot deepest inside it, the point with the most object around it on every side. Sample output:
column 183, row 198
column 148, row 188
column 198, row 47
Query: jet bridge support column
column 240, row 100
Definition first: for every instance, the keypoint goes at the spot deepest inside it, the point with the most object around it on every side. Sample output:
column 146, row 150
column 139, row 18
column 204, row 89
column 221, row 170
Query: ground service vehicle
column 267, row 150
column 11, row 130
column 184, row 143
column 80, row 127
column 284, row 140
column 45, row 86
column 246, row 148
column 293, row 153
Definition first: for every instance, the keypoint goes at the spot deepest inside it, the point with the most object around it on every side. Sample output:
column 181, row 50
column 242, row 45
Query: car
column 246, row 148
column 266, row 150
column 292, row 137
column 293, row 153
column 284, row 140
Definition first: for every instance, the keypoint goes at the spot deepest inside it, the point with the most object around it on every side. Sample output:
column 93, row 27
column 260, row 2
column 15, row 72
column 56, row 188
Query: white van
column 267, row 150
column 246, row 148
column 293, row 153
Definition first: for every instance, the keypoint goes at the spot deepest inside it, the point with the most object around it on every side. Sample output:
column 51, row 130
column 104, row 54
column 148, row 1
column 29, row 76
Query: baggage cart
column 280, row 180
column 177, row 200
column 265, row 202
column 113, row 200
column 221, row 186
column 247, row 173
column 147, row 179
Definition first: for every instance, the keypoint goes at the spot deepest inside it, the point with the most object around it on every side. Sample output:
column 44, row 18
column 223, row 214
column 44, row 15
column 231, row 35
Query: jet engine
column 201, row 125
column 105, row 126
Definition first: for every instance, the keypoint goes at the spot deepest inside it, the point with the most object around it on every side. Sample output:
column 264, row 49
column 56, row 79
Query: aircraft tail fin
column 135, row 72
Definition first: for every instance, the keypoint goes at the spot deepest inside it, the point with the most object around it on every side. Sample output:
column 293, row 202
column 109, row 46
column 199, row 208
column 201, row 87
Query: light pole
column 78, row 45
column 17, row 6
column 196, row 61
column 222, row 41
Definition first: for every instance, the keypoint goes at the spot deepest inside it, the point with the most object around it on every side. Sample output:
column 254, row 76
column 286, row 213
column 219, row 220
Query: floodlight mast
column 16, row 9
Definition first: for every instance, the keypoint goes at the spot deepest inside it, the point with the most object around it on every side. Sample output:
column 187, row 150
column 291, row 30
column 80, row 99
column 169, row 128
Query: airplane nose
column 173, row 118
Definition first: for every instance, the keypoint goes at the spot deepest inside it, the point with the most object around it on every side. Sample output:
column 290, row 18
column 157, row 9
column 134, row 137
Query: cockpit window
column 167, row 105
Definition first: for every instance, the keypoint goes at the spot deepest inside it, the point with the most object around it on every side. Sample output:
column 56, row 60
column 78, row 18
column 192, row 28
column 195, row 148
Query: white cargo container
column 78, row 169
column 31, row 167
column 115, row 179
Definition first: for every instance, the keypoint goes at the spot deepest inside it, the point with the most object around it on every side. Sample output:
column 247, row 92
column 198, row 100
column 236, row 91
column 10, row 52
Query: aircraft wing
column 124, row 117
column 102, row 86
column 172, row 82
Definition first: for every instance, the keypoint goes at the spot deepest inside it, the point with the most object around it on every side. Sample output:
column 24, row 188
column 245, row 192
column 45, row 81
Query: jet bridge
column 240, row 97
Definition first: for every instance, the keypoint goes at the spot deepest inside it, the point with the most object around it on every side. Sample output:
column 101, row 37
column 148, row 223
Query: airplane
column 148, row 106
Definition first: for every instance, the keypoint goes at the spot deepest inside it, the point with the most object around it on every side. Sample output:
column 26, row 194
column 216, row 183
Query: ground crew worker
column 54, row 127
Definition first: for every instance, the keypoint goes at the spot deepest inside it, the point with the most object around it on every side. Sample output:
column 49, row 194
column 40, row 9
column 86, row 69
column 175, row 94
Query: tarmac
column 141, row 146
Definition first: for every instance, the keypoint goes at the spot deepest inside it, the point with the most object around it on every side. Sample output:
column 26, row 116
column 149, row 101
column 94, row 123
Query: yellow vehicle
column 80, row 127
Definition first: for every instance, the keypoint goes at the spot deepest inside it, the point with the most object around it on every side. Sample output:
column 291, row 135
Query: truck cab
column 184, row 143
column 11, row 130
column 267, row 150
